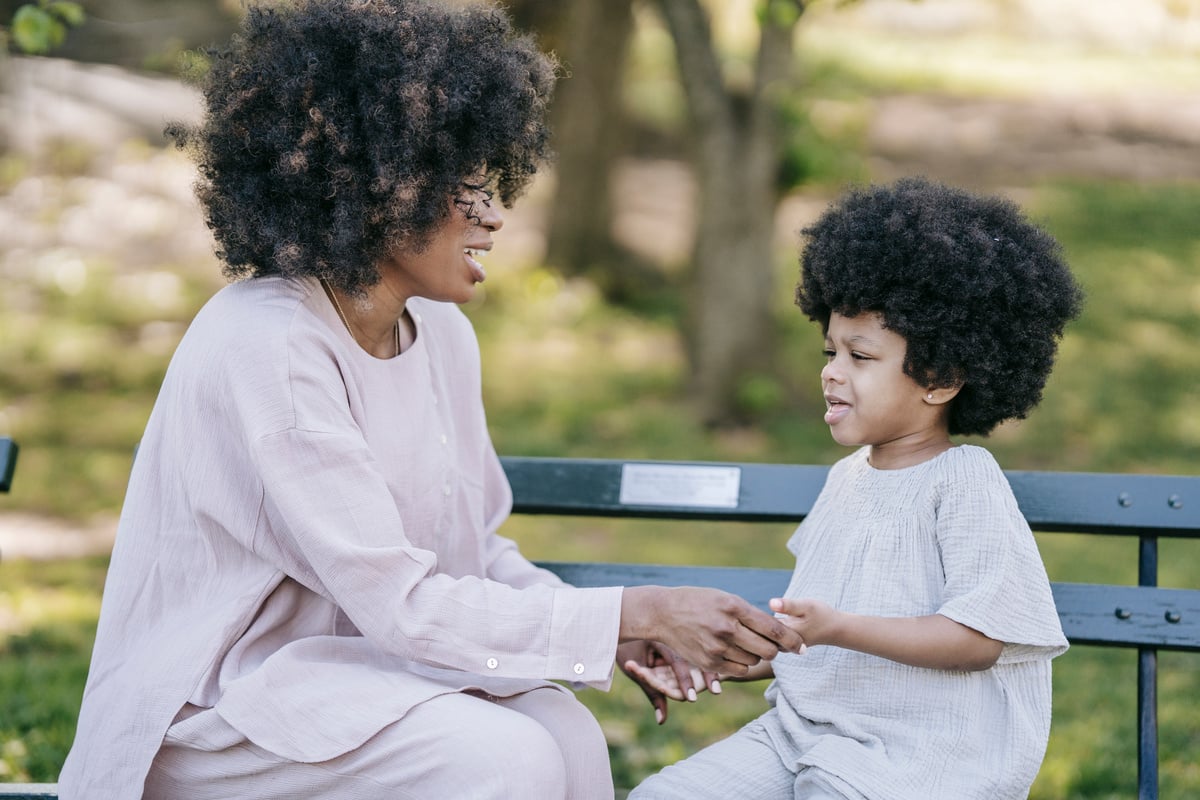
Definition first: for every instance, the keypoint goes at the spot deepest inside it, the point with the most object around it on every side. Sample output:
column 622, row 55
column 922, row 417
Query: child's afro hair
column 337, row 131
column 980, row 294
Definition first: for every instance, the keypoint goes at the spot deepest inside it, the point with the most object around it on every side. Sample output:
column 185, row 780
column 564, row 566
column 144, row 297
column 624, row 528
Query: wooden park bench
column 8, row 462
column 1148, row 507
column 8, row 466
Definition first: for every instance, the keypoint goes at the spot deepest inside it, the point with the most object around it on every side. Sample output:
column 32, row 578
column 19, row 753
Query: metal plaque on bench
column 680, row 485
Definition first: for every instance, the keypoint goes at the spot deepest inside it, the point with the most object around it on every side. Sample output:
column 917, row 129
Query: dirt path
column 35, row 537
column 1137, row 137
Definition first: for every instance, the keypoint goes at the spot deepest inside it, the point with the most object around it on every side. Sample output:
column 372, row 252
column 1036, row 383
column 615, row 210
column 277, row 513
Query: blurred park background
column 639, row 298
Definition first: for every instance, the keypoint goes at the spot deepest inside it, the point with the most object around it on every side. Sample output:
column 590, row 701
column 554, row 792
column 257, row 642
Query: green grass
column 566, row 375
column 48, row 614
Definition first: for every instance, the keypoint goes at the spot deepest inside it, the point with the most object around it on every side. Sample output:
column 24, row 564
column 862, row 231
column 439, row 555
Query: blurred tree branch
column 39, row 28
column 736, row 132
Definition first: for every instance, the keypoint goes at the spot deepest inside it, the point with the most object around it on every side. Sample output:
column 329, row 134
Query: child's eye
column 829, row 354
column 859, row 356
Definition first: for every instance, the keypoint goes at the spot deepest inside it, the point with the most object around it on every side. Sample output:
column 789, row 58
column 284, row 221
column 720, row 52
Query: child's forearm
column 935, row 642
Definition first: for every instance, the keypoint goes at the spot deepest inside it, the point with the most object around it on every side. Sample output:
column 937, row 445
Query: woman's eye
column 478, row 189
column 471, row 195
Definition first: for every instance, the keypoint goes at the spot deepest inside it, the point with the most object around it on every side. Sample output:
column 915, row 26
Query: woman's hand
column 713, row 630
column 662, row 674
column 664, row 681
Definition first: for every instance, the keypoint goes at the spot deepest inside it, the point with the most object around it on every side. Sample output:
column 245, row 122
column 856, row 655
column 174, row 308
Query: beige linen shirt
column 308, row 545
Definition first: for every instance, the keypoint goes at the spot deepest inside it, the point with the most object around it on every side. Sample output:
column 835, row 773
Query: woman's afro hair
column 337, row 131
column 980, row 294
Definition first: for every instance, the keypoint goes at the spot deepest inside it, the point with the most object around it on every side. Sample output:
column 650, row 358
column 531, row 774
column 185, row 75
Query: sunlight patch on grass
column 24, row 608
column 36, row 594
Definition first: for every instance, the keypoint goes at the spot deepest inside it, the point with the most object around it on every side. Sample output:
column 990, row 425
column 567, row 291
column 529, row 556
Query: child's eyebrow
column 857, row 339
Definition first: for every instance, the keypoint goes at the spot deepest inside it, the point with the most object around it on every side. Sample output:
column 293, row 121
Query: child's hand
column 814, row 620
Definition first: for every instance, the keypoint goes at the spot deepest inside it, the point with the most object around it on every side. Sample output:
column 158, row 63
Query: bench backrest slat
column 1117, row 504
column 756, row 585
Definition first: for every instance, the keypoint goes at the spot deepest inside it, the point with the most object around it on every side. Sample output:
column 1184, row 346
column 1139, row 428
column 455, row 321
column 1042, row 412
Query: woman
column 308, row 596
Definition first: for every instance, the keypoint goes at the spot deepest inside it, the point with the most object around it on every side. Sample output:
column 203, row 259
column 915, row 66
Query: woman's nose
column 490, row 216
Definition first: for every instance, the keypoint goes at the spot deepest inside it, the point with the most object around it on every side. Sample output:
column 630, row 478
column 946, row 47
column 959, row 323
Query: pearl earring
column 929, row 396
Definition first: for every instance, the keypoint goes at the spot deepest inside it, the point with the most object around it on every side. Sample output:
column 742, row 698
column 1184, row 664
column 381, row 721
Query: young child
column 918, row 587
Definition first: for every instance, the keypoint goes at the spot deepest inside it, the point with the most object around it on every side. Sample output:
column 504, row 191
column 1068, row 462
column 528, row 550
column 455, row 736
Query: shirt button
column 446, row 491
column 435, row 400
column 492, row 663
column 417, row 317
column 444, row 439
column 578, row 669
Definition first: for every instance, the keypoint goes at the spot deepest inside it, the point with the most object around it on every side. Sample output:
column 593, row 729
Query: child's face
column 868, row 397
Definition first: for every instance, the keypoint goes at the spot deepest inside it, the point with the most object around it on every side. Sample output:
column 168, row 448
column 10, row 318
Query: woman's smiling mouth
column 473, row 255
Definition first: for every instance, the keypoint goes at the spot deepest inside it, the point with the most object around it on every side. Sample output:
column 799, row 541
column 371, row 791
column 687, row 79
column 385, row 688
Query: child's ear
column 940, row 395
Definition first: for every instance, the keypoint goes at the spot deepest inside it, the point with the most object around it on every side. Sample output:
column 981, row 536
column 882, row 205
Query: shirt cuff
column 584, row 628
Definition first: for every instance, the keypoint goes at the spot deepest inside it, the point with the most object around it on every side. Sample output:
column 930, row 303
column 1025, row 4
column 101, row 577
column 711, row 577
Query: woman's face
column 448, row 268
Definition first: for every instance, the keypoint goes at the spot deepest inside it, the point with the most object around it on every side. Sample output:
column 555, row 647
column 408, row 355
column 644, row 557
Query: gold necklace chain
column 342, row 315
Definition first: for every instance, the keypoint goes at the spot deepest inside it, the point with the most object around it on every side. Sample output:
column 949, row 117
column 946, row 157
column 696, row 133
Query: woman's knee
column 578, row 736
column 569, row 721
column 519, row 758
column 458, row 745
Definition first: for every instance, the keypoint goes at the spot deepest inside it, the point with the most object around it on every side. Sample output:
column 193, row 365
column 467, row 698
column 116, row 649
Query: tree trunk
column 729, row 331
column 589, row 127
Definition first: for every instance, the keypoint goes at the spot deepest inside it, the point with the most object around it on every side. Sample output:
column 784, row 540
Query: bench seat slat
column 1129, row 616
column 1088, row 612
column 29, row 791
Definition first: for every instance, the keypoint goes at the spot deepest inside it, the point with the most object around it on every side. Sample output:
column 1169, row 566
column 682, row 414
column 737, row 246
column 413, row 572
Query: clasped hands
column 677, row 642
